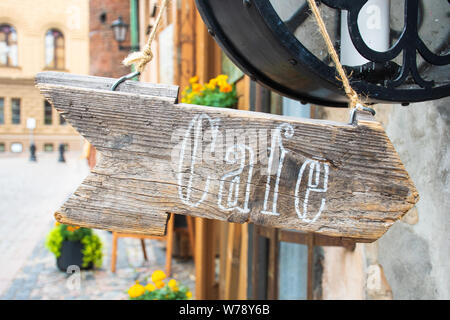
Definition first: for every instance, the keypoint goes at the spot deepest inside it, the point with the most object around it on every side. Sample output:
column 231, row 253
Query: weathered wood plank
column 102, row 83
column 331, row 178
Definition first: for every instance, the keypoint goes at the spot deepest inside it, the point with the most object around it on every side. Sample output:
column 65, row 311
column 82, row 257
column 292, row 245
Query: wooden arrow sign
column 159, row 157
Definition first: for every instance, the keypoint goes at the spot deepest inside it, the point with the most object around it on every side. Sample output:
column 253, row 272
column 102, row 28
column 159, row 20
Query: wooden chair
column 169, row 237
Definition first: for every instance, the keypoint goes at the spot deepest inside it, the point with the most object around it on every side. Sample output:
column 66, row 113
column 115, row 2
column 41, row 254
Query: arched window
column 54, row 49
column 8, row 45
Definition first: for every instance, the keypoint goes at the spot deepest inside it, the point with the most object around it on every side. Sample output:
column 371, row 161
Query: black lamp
column 120, row 29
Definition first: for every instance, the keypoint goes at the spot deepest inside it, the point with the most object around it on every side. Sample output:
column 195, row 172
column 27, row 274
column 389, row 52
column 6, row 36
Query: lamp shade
column 120, row 29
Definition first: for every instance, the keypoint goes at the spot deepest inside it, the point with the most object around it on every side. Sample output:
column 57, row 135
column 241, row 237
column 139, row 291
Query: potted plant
column 157, row 289
column 216, row 93
column 74, row 246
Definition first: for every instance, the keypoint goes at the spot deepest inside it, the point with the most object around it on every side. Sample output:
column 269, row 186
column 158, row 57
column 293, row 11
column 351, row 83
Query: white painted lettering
column 312, row 186
column 276, row 143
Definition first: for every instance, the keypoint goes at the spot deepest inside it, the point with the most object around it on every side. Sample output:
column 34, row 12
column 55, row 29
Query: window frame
column 2, row 110
column 48, row 106
column 47, row 145
column 54, row 65
column 12, row 111
column 11, row 147
column 9, row 44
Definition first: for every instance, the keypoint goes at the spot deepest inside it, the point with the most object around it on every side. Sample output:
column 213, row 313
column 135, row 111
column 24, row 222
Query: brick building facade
column 105, row 56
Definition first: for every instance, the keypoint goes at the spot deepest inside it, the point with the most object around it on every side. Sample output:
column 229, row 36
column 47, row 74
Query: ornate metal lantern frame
column 255, row 38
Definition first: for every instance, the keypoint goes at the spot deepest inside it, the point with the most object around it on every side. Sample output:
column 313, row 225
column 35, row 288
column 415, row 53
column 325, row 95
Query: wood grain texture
column 357, row 184
column 102, row 83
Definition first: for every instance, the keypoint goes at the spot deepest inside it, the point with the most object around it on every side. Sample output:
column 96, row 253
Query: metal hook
column 122, row 79
column 360, row 107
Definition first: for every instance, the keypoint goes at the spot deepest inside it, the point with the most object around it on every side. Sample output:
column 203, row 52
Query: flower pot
column 71, row 254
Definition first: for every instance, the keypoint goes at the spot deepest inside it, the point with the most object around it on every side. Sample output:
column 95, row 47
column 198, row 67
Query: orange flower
column 226, row 88
column 196, row 87
column 72, row 228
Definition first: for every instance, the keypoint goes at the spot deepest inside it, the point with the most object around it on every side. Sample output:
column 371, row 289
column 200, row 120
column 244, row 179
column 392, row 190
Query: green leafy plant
column 216, row 93
column 54, row 241
column 157, row 289
column 92, row 245
column 92, row 251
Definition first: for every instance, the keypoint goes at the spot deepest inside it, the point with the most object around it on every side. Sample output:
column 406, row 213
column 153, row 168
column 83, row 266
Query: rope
column 351, row 94
column 140, row 58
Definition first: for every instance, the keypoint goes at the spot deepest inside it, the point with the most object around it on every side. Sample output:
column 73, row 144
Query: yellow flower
column 159, row 284
column 172, row 283
column 158, row 275
column 211, row 84
column 197, row 87
column 136, row 290
column 57, row 223
column 150, row 287
column 222, row 78
column 193, row 80
column 188, row 294
column 226, row 88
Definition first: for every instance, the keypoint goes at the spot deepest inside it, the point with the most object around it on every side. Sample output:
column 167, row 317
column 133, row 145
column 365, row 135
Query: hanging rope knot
column 141, row 58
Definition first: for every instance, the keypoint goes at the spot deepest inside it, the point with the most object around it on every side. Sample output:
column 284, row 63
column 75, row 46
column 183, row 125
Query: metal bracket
column 124, row 78
column 359, row 107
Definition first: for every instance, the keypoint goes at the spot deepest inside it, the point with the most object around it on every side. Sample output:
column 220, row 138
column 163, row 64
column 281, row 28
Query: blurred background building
column 35, row 36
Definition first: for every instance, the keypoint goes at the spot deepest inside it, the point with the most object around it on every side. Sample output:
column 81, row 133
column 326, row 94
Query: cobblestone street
column 30, row 193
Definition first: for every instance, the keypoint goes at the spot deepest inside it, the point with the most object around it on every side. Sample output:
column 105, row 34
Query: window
column 16, row 147
column 54, row 49
column 15, row 110
column 62, row 121
column 48, row 113
column 2, row 110
column 48, row 147
column 8, row 45
column 2, row 147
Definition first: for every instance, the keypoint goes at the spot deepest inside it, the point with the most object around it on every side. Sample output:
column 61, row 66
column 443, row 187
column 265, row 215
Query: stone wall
column 411, row 261
column 415, row 252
